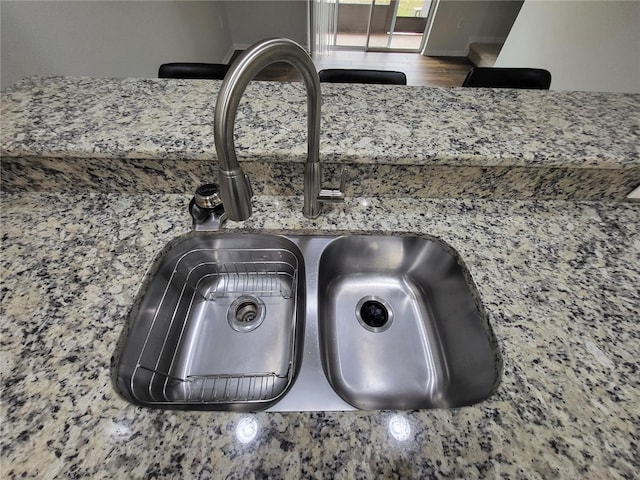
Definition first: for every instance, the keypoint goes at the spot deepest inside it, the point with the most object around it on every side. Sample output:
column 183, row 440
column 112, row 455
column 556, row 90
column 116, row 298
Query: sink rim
column 295, row 235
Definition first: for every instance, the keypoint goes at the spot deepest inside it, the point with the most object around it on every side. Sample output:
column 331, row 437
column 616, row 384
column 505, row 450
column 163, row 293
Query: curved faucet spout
column 235, row 188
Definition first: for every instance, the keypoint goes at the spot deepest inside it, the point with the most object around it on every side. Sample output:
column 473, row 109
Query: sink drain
column 374, row 314
column 246, row 313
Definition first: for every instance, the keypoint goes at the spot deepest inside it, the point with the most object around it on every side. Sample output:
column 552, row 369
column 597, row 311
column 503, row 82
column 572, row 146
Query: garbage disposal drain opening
column 374, row 313
column 246, row 313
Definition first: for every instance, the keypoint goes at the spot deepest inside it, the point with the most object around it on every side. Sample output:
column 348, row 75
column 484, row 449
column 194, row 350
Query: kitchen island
column 86, row 207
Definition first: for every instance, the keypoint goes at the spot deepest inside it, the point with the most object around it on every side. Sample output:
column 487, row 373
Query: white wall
column 108, row 38
column 254, row 20
column 586, row 45
column 456, row 24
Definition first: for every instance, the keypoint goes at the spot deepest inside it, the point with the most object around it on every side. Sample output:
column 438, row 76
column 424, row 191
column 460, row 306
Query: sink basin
column 247, row 322
column 219, row 326
column 400, row 327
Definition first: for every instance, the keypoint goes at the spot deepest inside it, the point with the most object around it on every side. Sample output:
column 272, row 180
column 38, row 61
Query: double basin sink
column 254, row 321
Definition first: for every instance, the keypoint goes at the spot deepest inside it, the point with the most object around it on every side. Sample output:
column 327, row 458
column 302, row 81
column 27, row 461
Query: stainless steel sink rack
column 212, row 389
column 211, row 300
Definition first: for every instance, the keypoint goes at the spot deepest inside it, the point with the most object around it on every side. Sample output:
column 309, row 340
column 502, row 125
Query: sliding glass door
column 397, row 25
column 379, row 25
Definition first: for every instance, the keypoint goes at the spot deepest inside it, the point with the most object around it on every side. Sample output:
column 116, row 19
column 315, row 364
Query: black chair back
column 527, row 78
column 341, row 75
column 207, row 71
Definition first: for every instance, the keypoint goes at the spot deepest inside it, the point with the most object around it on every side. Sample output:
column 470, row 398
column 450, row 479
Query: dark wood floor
column 420, row 70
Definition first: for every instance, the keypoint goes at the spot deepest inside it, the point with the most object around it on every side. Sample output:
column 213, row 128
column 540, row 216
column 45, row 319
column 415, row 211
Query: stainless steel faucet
column 235, row 187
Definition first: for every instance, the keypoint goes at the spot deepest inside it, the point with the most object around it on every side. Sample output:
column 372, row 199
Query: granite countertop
column 559, row 279
column 173, row 119
column 156, row 135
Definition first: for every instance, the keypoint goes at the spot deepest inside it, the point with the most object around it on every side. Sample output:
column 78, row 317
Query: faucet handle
column 332, row 195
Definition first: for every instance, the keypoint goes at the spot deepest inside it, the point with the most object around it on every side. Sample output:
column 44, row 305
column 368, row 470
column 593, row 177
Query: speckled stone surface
column 77, row 175
column 559, row 281
column 433, row 142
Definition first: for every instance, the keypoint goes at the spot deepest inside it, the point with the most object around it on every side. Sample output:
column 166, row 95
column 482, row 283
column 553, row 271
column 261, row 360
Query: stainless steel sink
column 219, row 325
column 237, row 321
column 400, row 327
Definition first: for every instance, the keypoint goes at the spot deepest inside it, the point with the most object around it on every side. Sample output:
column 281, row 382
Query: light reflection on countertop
column 118, row 432
column 400, row 428
column 247, row 429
